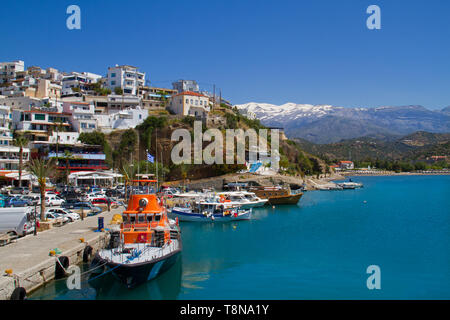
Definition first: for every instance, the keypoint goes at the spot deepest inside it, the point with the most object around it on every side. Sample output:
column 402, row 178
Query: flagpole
column 156, row 157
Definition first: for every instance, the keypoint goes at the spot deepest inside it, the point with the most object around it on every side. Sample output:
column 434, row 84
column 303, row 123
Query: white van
column 17, row 221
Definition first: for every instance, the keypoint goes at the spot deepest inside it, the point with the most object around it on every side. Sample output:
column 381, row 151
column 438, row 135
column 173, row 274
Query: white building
column 124, row 119
column 79, row 81
column 9, row 154
column 8, row 70
column 186, row 85
column 125, row 77
column 82, row 115
column 190, row 103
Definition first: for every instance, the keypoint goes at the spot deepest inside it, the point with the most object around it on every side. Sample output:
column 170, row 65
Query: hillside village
column 95, row 125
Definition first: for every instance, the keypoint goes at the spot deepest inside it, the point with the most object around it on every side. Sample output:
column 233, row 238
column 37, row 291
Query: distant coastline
column 392, row 173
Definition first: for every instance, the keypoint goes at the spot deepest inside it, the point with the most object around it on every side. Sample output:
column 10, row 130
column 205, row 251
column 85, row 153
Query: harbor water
column 318, row 249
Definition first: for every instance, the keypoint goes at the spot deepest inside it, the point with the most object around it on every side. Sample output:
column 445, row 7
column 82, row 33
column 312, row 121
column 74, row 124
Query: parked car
column 54, row 216
column 20, row 190
column 17, row 202
column 52, row 200
column 115, row 193
column 16, row 221
column 72, row 216
column 70, row 203
column 91, row 196
column 3, row 200
column 103, row 203
column 87, row 208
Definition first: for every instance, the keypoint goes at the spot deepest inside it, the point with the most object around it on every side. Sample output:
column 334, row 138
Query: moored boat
column 277, row 195
column 210, row 211
column 147, row 244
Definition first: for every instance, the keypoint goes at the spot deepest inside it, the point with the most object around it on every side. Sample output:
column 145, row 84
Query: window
column 113, row 75
column 187, row 100
column 113, row 83
column 39, row 117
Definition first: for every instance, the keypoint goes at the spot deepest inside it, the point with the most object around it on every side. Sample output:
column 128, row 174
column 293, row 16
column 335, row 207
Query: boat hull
column 132, row 275
column 196, row 217
column 288, row 199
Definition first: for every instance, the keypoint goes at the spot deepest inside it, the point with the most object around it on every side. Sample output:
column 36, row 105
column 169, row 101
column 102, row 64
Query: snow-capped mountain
column 326, row 123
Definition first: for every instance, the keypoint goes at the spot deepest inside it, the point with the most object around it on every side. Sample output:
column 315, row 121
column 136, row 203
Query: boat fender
column 87, row 252
column 19, row 293
column 61, row 265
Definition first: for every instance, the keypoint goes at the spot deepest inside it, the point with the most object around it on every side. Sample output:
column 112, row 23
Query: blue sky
column 317, row 52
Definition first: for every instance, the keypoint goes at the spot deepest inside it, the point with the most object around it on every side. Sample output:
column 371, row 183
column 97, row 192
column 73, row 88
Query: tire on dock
column 87, row 253
column 19, row 293
column 61, row 266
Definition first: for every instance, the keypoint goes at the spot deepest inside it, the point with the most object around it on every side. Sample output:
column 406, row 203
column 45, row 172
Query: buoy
column 273, row 207
column 52, row 253
column 87, row 253
column 234, row 227
column 19, row 293
column 60, row 267
column 8, row 272
column 81, row 240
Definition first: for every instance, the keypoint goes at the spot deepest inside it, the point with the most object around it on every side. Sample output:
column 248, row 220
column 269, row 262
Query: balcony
column 84, row 156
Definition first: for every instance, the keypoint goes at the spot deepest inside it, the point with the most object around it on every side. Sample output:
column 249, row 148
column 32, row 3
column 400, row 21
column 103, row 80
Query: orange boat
column 147, row 244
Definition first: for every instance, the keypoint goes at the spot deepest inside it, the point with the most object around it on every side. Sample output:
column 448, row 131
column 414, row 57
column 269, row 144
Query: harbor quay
column 29, row 260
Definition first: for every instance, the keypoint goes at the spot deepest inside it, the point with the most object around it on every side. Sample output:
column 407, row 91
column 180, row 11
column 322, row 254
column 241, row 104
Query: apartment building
column 9, row 70
column 44, row 126
column 81, row 115
column 128, row 78
column 9, row 154
column 153, row 97
column 76, row 84
column 186, row 85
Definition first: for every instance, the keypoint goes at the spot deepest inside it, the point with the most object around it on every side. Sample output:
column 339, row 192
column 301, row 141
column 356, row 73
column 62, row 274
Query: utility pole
column 214, row 96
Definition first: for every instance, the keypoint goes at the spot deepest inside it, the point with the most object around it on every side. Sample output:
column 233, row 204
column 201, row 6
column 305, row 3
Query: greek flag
column 150, row 158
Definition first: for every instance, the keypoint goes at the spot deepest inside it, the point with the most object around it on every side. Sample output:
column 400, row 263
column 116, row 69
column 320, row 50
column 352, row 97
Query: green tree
column 118, row 90
column 42, row 169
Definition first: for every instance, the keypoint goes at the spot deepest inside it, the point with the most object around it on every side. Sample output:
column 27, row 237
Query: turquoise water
column 319, row 249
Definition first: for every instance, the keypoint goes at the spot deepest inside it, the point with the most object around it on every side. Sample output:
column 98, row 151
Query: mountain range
column 327, row 124
column 416, row 146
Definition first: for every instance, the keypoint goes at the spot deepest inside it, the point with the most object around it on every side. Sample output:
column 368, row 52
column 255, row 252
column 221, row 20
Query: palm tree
column 42, row 169
column 128, row 171
column 21, row 142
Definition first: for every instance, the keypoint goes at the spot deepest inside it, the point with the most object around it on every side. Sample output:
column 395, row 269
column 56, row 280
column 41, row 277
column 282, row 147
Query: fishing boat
column 245, row 199
column 350, row 185
column 147, row 244
column 277, row 194
column 210, row 210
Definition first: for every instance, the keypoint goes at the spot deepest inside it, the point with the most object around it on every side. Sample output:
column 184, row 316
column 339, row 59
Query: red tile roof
column 189, row 93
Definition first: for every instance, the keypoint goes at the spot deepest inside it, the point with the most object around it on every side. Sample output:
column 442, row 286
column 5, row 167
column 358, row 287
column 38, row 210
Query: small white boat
column 210, row 212
column 350, row 185
column 244, row 199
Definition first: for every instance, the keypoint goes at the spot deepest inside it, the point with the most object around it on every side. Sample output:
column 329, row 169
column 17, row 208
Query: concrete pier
column 29, row 258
